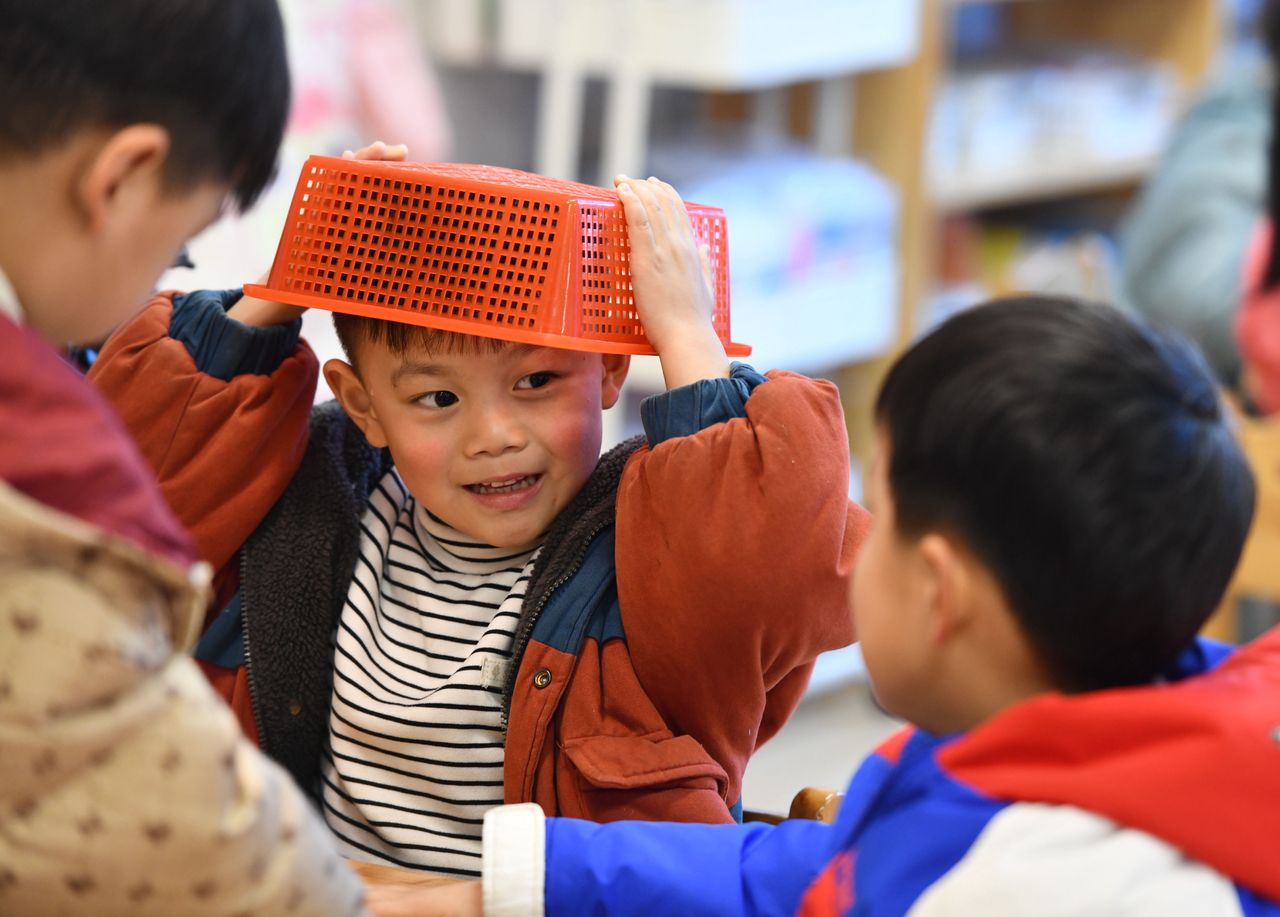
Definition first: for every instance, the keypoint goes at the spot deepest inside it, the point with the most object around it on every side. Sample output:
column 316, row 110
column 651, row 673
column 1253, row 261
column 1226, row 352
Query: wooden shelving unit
column 891, row 130
column 961, row 193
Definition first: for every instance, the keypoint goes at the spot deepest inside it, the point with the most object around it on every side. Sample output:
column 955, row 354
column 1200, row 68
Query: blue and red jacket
column 1155, row 800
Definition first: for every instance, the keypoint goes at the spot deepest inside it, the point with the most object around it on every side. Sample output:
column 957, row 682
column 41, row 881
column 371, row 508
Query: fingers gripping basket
column 473, row 249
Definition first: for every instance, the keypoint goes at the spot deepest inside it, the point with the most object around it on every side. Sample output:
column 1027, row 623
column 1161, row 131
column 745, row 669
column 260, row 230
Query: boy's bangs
column 401, row 338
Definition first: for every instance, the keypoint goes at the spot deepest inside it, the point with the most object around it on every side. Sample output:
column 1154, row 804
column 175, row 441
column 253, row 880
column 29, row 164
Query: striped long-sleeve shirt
column 415, row 746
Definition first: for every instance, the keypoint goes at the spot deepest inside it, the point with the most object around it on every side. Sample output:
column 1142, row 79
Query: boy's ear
column 123, row 173
column 948, row 583
column 354, row 398
column 615, row 366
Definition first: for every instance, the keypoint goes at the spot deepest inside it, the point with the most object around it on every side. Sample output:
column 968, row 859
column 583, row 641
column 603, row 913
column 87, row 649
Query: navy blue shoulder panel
column 586, row 605
column 223, row 643
column 222, row 347
column 691, row 408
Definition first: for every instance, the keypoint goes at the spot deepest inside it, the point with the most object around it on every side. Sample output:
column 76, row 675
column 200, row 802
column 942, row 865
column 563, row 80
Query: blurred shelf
column 639, row 45
column 812, row 325
column 700, row 44
column 1037, row 183
column 827, row 319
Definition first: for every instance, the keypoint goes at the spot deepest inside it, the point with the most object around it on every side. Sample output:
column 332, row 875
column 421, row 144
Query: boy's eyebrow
column 410, row 367
column 414, row 368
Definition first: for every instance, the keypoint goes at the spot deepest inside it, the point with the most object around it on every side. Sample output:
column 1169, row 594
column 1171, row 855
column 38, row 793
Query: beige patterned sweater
column 126, row 786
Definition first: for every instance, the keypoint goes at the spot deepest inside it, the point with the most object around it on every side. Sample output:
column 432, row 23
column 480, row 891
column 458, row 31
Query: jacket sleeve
column 219, row 408
column 657, row 867
column 735, row 539
column 644, row 868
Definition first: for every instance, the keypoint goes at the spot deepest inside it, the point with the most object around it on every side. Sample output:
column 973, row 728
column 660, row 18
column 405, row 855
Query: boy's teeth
column 517, row 484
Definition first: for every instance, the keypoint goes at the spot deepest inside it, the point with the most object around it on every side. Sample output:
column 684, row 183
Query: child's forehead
column 464, row 353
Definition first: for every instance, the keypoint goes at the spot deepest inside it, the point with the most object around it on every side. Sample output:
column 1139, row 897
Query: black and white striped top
column 415, row 741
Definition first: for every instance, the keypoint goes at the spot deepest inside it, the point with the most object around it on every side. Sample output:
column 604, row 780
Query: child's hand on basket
column 262, row 312
column 671, row 281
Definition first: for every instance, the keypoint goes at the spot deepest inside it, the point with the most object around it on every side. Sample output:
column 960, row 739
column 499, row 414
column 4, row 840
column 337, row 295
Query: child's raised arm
column 669, row 277
column 735, row 534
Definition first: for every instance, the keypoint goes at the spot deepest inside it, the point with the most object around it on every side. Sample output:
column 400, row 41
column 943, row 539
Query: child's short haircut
column 213, row 72
column 400, row 337
column 1088, row 462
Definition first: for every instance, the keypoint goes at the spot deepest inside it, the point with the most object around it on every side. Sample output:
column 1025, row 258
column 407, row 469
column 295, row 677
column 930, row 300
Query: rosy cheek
column 574, row 432
column 424, row 458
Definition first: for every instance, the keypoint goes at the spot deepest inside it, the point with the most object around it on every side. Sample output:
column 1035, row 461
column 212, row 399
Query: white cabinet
column 636, row 45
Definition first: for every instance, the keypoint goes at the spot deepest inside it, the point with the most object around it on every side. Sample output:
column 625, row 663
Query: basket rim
column 576, row 190
column 497, row 332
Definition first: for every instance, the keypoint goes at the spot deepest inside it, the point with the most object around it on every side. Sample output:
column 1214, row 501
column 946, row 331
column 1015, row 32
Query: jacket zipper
column 526, row 630
column 248, row 668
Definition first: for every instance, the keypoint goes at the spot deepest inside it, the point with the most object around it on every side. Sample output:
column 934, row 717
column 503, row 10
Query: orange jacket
column 715, row 576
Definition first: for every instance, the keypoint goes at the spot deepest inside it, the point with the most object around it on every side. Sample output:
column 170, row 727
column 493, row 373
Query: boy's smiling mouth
column 506, row 494
column 507, row 485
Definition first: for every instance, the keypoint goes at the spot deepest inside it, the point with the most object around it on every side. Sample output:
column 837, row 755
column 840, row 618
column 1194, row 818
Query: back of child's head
column 212, row 72
column 1088, row 463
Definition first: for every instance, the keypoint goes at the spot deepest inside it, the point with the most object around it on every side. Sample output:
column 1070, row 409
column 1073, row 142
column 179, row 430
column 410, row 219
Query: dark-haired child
column 1058, row 505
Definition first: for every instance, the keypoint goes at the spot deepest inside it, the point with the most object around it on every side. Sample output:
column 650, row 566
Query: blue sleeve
column 223, row 642
column 685, row 410
column 223, row 347
column 647, row 868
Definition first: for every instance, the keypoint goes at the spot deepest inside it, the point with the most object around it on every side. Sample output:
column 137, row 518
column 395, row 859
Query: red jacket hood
column 1195, row 762
column 63, row 446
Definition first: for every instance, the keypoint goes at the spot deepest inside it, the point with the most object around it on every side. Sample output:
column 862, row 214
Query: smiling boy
column 439, row 597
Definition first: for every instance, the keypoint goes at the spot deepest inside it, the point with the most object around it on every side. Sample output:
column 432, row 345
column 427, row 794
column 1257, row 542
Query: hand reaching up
column 670, row 278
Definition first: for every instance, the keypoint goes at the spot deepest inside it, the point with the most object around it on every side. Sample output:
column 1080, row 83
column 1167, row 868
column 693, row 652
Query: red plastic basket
column 473, row 249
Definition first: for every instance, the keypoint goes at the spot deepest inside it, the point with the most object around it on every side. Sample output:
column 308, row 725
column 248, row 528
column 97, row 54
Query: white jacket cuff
column 515, row 861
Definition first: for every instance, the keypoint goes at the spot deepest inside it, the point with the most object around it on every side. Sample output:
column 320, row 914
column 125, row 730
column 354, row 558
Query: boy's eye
column 535, row 380
column 438, row 399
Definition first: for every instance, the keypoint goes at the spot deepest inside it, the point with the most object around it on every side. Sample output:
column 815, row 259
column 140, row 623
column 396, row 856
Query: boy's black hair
column 212, row 72
column 1087, row 461
column 400, row 337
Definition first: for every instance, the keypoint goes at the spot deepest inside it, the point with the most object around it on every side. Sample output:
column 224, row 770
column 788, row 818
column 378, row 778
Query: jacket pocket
column 636, row 777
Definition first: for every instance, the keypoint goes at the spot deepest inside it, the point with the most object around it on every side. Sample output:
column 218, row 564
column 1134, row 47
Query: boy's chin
column 500, row 536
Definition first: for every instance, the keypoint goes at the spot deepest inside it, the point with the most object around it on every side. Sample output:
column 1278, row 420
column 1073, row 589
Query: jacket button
column 541, row 678
column 295, row 708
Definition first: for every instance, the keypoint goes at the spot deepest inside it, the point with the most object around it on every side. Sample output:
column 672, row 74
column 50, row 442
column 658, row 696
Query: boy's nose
column 494, row 432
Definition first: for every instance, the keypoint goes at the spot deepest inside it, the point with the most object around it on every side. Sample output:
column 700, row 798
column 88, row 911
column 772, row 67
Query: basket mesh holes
column 429, row 246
